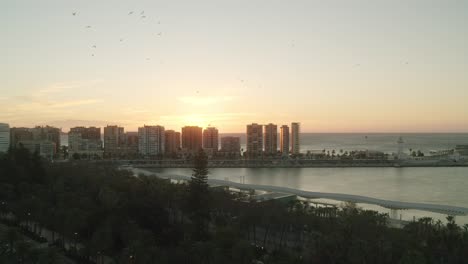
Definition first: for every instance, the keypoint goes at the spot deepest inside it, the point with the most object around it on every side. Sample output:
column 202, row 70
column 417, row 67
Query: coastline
column 294, row 164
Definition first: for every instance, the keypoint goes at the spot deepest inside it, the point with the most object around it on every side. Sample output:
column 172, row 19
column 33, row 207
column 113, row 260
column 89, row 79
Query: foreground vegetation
column 98, row 210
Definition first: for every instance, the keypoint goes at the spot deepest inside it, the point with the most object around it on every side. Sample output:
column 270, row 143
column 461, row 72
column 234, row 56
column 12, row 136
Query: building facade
column 85, row 143
column 45, row 148
column 18, row 134
column 131, row 145
column 191, row 139
column 230, row 146
column 114, row 141
column 210, row 140
column 284, row 140
column 40, row 139
column 47, row 133
column 295, row 138
column 254, row 140
column 271, row 139
column 4, row 137
column 172, row 142
column 151, row 141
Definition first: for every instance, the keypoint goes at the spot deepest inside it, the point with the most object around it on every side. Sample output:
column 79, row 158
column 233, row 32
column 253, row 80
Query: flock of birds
column 142, row 16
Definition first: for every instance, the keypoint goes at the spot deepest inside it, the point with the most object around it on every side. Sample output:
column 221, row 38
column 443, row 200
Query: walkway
column 395, row 205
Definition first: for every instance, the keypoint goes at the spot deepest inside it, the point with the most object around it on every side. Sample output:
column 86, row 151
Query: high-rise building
column 210, row 140
column 230, row 146
column 4, row 137
column 114, row 139
column 191, row 139
column 271, row 139
column 45, row 140
column 295, row 138
column 45, row 148
column 254, row 140
column 284, row 140
column 18, row 134
column 85, row 142
column 151, row 140
column 172, row 142
column 47, row 133
column 93, row 133
column 130, row 149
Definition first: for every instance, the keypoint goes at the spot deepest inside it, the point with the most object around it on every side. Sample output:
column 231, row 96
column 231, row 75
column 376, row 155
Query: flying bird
column 143, row 16
column 131, row 12
column 88, row 26
column 74, row 13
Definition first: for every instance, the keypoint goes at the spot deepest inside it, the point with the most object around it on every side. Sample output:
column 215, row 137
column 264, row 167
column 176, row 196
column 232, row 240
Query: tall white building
column 295, row 138
column 4, row 137
column 151, row 140
column 271, row 139
column 210, row 139
column 284, row 140
column 254, row 140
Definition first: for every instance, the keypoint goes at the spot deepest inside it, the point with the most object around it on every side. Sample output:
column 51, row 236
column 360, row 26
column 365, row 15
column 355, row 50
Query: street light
column 76, row 238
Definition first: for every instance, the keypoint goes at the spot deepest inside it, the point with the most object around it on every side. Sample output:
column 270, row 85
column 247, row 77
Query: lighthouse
column 400, row 143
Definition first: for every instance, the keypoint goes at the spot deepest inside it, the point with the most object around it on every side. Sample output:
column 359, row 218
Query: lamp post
column 75, row 240
column 28, row 220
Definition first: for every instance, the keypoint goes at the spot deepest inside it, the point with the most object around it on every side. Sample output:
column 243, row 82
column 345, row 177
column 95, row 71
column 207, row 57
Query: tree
column 199, row 196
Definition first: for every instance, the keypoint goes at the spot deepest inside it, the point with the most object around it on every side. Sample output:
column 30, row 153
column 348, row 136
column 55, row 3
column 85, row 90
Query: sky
column 334, row 66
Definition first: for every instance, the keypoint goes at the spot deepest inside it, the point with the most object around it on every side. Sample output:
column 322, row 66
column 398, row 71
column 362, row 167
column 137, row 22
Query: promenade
column 292, row 163
column 393, row 205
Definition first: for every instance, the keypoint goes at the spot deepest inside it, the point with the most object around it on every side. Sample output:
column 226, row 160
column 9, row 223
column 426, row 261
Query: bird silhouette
column 131, row 12
column 74, row 13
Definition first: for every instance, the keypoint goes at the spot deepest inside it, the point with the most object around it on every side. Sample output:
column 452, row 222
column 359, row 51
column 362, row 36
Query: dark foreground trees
column 199, row 197
column 98, row 210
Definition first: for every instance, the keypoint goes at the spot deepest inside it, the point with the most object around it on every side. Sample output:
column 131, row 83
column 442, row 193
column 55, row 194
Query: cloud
column 205, row 100
column 59, row 87
column 73, row 103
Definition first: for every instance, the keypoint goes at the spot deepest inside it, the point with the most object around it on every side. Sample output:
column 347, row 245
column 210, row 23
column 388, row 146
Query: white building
column 284, row 140
column 151, row 140
column 295, row 138
column 4, row 137
column 271, row 139
column 254, row 140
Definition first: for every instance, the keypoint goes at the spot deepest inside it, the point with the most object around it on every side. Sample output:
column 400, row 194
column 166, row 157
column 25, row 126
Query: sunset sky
column 334, row 66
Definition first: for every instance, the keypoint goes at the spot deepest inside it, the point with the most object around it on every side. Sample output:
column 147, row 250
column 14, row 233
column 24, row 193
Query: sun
column 195, row 120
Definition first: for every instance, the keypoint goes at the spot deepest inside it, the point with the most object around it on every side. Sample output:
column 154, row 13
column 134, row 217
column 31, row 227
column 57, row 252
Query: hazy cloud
column 205, row 100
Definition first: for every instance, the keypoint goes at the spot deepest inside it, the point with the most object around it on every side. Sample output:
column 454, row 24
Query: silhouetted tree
column 199, row 201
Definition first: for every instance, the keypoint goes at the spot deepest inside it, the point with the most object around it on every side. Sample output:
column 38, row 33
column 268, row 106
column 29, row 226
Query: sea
column 435, row 185
column 438, row 185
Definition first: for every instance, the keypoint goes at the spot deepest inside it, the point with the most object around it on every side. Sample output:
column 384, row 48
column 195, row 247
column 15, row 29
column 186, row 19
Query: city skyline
column 361, row 66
